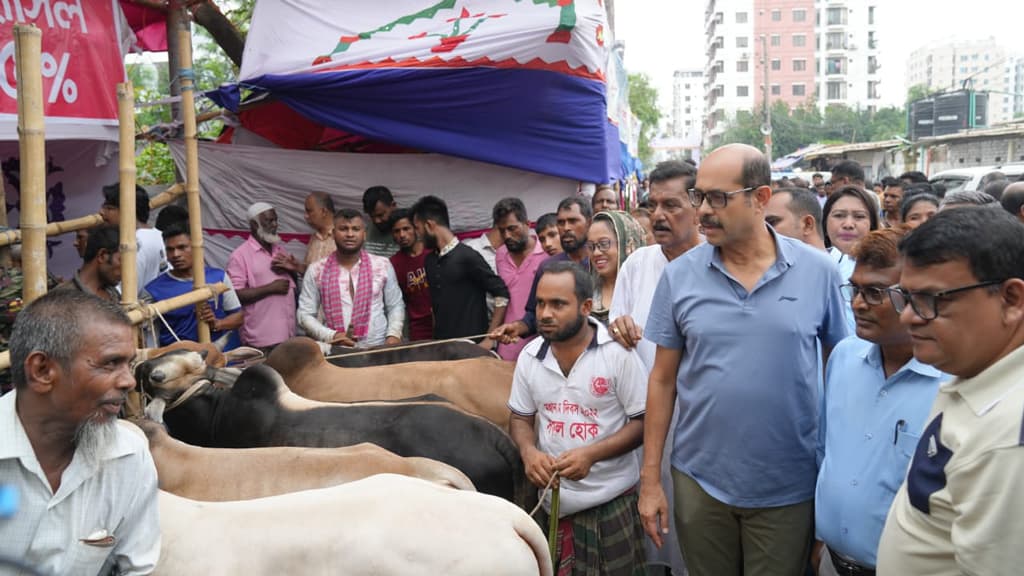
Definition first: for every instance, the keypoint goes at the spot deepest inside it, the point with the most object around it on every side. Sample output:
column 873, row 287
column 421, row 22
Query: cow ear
column 242, row 355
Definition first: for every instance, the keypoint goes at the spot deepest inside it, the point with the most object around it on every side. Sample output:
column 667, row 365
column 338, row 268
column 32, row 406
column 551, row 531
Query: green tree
column 643, row 101
column 918, row 92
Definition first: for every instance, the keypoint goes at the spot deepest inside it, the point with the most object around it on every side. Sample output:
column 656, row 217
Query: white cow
column 382, row 525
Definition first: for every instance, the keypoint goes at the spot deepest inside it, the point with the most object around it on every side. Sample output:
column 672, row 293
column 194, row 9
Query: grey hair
column 54, row 325
column 967, row 198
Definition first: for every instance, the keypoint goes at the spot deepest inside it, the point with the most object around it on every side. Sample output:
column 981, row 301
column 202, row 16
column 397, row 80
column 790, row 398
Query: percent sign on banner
column 81, row 60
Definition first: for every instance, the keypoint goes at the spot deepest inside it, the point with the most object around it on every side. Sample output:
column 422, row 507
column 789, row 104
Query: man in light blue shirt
column 736, row 323
column 877, row 397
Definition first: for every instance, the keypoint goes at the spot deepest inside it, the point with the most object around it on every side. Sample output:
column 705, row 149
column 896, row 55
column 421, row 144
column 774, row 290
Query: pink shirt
column 519, row 281
column 271, row 320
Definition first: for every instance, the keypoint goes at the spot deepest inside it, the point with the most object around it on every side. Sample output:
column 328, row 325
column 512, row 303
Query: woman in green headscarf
column 613, row 236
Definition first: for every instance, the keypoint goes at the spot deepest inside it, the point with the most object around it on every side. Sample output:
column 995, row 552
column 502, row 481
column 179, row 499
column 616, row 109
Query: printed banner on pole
column 81, row 60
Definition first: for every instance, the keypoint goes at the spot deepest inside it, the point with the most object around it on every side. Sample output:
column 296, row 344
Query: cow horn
column 155, row 410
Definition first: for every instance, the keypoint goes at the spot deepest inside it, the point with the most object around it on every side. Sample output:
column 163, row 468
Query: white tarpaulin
column 233, row 177
column 76, row 174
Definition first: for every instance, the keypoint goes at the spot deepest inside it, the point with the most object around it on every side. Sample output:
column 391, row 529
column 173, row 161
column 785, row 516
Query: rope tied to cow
column 407, row 346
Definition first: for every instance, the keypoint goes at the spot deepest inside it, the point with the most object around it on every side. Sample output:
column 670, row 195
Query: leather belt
column 846, row 568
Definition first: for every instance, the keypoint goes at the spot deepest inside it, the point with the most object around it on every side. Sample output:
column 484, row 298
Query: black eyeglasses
column 715, row 199
column 926, row 304
column 873, row 295
column 604, row 245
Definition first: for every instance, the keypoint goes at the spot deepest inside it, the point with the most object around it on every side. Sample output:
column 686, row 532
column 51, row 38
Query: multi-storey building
column 981, row 64
column 687, row 104
column 826, row 50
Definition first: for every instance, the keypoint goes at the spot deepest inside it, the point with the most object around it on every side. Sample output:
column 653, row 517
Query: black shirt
column 459, row 282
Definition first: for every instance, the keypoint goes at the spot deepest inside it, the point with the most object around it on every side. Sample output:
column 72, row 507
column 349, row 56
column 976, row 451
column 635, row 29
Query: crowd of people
column 823, row 377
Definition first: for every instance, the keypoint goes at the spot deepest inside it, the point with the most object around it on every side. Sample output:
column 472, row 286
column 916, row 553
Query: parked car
column 969, row 179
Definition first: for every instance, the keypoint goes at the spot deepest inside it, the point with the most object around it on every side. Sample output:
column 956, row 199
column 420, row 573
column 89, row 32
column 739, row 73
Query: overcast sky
column 666, row 35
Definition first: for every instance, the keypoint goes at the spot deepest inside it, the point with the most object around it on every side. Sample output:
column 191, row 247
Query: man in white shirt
column 351, row 297
column 674, row 223
column 87, row 486
column 150, row 258
column 961, row 294
column 577, row 402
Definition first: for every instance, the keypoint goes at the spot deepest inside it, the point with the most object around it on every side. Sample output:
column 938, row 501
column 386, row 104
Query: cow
column 228, row 408
column 220, row 474
column 479, row 385
column 426, row 351
column 381, row 525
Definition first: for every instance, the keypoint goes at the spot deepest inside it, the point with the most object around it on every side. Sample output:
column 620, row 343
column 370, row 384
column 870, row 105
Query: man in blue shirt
column 736, row 323
column 224, row 317
column 877, row 397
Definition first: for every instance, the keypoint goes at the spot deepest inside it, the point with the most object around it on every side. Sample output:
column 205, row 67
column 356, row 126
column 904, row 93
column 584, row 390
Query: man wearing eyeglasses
column 876, row 400
column 736, row 323
column 962, row 296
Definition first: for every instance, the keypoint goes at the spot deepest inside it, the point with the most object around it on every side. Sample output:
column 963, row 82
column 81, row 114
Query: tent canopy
column 519, row 83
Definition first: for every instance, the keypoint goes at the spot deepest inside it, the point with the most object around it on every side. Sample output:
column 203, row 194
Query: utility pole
column 766, row 128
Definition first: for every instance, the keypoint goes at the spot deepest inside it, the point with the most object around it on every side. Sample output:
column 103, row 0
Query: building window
column 799, row 40
column 776, row 40
column 776, row 15
column 741, row 17
column 719, row 18
column 871, row 15
column 742, row 91
column 963, row 69
column 776, row 64
column 799, row 15
column 834, row 65
column 872, row 43
column 742, row 66
column 964, row 57
column 687, row 98
column 872, row 64
column 836, row 16
column 687, row 86
column 741, row 41
column 835, row 90
column 776, row 90
column 799, row 90
column 872, row 90
column 835, row 41
column 799, row 65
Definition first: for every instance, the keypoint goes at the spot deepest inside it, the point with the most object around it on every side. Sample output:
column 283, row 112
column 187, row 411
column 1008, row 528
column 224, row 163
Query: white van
column 959, row 179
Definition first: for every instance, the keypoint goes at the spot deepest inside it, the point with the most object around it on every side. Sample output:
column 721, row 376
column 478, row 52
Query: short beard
column 347, row 252
column 93, row 437
column 571, row 245
column 569, row 331
column 266, row 237
column 516, row 246
column 430, row 241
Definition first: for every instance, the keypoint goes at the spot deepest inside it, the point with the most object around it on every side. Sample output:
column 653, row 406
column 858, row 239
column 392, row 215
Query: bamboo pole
column 164, row 198
column 143, row 312
column 32, row 145
column 188, row 115
column 126, row 156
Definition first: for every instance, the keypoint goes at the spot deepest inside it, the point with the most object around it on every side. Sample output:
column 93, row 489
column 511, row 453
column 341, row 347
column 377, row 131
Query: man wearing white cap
column 265, row 289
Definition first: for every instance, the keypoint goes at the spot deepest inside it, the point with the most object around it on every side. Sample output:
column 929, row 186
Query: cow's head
column 173, row 377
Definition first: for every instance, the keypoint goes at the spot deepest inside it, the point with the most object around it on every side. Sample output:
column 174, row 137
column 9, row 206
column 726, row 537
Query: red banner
column 81, row 60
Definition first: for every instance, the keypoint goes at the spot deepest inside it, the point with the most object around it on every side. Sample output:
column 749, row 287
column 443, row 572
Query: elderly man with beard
column 517, row 261
column 737, row 322
column 265, row 289
column 87, row 487
column 355, row 292
column 577, row 406
column 573, row 220
column 459, row 277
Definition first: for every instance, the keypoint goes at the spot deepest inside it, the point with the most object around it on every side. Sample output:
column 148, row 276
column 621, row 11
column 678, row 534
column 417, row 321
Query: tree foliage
column 796, row 128
column 643, row 101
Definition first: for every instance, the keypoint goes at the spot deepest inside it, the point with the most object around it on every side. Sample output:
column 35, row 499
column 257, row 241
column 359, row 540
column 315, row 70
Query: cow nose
column 157, row 376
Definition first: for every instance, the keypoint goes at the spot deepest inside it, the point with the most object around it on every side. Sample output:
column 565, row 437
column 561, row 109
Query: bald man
column 736, row 323
column 1013, row 200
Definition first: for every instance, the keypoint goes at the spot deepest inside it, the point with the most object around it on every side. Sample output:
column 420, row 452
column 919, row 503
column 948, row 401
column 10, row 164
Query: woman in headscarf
column 613, row 236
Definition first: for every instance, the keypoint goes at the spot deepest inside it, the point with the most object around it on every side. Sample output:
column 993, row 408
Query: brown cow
column 479, row 385
column 222, row 474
